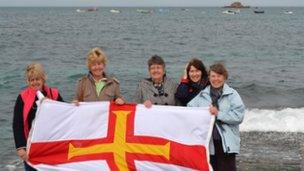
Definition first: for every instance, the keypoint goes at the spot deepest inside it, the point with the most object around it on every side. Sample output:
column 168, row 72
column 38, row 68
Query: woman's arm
column 118, row 97
column 79, row 92
column 236, row 113
column 18, row 125
column 59, row 98
column 182, row 92
column 138, row 97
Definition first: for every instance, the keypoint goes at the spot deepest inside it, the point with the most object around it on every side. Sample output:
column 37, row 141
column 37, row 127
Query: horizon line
column 139, row 6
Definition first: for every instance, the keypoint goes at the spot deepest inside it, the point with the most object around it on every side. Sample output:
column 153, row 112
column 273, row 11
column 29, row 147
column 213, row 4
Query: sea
column 264, row 54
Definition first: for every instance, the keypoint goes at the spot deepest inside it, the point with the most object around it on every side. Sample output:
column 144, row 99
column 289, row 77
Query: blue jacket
column 231, row 114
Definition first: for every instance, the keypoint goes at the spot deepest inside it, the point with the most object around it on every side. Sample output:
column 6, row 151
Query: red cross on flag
column 101, row 136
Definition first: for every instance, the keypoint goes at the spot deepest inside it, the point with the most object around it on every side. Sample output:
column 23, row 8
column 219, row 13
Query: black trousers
column 27, row 167
column 222, row 161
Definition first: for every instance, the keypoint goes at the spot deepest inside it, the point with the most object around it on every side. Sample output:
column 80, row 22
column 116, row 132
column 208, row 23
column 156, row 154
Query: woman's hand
column 44, row 98
column 119, row 101
column 185, row 75
column 213, row 110
column 22, row 153
column 76, row 102
column 148, row 104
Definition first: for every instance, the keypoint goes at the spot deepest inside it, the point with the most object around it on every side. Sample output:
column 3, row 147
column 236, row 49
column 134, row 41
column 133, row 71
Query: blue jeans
column 28, row 167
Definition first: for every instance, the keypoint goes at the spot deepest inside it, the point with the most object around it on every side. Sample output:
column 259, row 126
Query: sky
column 122, row 3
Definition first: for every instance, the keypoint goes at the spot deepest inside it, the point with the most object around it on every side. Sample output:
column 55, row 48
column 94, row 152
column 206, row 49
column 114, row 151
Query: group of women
column 197, row 88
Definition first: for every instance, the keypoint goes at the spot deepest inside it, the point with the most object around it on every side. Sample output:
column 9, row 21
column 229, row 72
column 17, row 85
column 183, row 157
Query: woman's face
column 195, row 74
column 216, row 80
column 36, row 83
column 157, row 72
column 97, row 69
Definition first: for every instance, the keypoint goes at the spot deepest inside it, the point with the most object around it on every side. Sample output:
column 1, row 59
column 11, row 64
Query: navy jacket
column 187, row 90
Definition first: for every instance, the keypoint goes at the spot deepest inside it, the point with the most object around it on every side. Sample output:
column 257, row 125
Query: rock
column 302, row 156
column 236, row 5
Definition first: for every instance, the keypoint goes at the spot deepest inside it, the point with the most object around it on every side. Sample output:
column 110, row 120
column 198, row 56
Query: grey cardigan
column 146, row 91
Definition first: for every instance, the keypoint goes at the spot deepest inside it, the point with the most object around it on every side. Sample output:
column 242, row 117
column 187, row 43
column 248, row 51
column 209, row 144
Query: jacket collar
column 149, row 80
column 226, row 90
column 105, row 78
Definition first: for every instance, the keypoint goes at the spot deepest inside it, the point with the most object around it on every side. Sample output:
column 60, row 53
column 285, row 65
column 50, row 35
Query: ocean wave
column 265, row 120
column 75, row 76
column 258, row 96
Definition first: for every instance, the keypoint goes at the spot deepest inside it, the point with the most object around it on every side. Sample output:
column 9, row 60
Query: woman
column 158, row 89
column 25, row 107
column 97, row 86
column 226, row 104
column 194, row 80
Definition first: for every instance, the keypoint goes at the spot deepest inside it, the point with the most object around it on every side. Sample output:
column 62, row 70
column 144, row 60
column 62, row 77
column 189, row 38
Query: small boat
column 143, row 11
column 185, row 9
column 115, row 11
column 258, row 11
column 163, row 10
column 80, row 10
column 288, row 12
column 87, row 10
column 231, row 12
column 92, row 9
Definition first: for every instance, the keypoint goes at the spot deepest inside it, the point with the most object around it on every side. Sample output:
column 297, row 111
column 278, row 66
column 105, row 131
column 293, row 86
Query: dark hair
column 198, row 64
column 155, row 59
column 219, row 68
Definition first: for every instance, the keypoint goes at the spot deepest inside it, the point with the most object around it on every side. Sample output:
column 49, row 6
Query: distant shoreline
column 146, row 7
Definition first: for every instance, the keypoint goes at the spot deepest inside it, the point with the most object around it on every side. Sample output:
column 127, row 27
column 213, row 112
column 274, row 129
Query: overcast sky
column 148, row 2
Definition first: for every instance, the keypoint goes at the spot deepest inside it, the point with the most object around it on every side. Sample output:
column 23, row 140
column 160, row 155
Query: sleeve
column 236, row 113
column 59, row 98
column 138, row 97
column 182, row 93
column 18, row 126
column 117, row 92
column 79, row 91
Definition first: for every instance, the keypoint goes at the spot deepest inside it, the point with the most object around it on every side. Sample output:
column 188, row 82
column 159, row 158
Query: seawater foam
column 285, row 120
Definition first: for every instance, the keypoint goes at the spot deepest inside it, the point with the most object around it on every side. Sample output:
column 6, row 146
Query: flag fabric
column 102, row 136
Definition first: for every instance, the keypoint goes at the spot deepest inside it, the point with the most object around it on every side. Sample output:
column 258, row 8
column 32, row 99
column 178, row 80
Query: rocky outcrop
column 236, row 5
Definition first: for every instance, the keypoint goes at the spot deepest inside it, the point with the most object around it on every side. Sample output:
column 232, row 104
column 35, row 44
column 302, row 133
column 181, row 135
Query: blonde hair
column 35, row 70
column 96, row 55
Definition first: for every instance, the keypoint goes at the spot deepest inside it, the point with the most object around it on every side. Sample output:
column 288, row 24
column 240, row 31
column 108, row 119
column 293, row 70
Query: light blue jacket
column 231, row 114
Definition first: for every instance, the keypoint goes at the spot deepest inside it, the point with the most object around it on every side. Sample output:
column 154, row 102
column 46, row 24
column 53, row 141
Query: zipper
column 225, row 148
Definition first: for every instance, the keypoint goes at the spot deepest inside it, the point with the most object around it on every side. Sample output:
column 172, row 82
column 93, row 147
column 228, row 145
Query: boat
column 163, row 10
column 92, row 9
column 231, row 12
column 115, row 11
column 80, row 10
column 258, row 11
column 185, row 9
column 288, row 12
column 87, row 10
column 144, row 11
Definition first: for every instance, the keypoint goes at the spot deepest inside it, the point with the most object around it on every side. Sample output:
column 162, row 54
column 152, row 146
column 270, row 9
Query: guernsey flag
column 101, row 136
